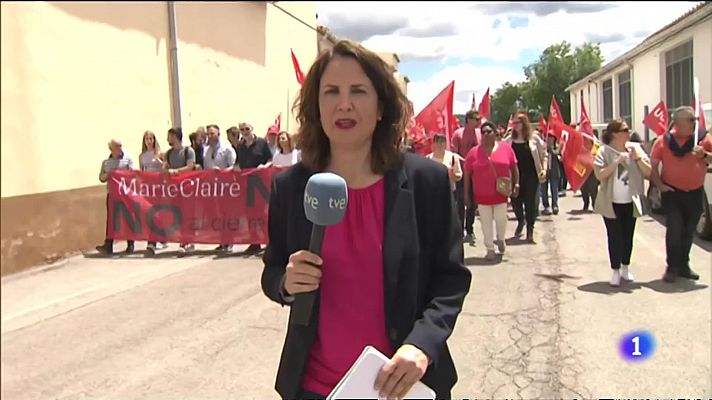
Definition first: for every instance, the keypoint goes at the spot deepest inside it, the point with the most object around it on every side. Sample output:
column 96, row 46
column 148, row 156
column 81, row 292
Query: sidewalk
column 46, row 291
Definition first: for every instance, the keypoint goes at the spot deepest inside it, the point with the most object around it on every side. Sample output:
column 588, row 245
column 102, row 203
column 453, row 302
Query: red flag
column 473, row 101
column 543, row 127
column 584, row 121
column 436, row 117
column 484, row 107
column 455, row 123
column 576, row 154
column 297, row 70
column 554, row 116
column 657, row 120
column 703, row 122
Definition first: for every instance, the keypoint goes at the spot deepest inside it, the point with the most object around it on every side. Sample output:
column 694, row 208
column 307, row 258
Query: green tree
column 505, row 101
column 558, row 67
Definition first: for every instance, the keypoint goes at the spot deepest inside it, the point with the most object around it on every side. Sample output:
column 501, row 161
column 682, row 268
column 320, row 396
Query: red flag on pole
column 276, row 127
column 436, row 117
column 554, row 116
column 543, row 127
column 576, row 154
column 297, row 70
column 702, row 121
column 657, row 120
column 584, row 121
column 484, row 107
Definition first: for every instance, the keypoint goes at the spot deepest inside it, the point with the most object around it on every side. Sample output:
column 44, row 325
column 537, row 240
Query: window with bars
column 607, row 100
column 678, row 76
column 625, row 100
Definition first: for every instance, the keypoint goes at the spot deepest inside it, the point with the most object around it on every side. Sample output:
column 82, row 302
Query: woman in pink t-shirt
column 391, row 273
column 485, row 163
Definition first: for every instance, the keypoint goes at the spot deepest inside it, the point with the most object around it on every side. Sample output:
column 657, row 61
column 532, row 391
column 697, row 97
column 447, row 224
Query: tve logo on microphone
column 325, row 199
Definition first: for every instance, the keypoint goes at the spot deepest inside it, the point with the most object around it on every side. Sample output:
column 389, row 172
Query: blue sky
column 484, row 44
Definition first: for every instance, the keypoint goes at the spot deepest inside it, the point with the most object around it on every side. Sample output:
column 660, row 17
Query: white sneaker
column 501, row 246
column 491, row 256
column 616, row 278
column 625, row 274
column 161, row 246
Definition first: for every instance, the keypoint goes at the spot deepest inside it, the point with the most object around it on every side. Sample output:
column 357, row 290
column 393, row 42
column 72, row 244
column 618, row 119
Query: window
column 607, row 100
column 678, row 76
column 624, row 97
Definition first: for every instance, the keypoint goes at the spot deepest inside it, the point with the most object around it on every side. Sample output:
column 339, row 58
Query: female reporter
column 391, row 273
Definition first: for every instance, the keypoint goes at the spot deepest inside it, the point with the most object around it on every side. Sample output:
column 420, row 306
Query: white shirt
column 150, row 162
column 621, row 188
column 286, row 159
column 220, row 156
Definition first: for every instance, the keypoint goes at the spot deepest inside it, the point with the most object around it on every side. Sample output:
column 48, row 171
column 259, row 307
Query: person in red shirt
column 684, row 165
column 485, row 163
column 462, row 141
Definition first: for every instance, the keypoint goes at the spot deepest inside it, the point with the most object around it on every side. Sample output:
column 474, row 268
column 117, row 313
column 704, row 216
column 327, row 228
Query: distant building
column 661, row 67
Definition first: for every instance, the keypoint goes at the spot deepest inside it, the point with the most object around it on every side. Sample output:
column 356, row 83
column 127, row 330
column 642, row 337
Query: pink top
column 352, row 308
column 484, row 180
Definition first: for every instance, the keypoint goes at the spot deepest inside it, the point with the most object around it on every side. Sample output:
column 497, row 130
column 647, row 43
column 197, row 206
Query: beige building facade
column 75, row 75
column 662, row 67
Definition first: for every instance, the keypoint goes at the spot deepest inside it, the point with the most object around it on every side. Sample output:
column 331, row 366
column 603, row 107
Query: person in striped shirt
column 117, row 160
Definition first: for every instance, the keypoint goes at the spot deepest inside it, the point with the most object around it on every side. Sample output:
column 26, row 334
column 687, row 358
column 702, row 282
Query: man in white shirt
column 221, row 157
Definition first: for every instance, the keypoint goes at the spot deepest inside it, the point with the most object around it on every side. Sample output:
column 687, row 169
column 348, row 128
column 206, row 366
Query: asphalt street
column 541, row 323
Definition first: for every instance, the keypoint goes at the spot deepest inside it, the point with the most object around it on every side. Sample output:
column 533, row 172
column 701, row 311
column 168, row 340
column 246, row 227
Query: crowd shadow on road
column 680, row 286
column 557, row 277
column 482, row 262
column 703, row 244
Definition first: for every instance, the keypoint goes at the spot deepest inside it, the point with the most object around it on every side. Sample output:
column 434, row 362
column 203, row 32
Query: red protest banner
column 210, row 206
column 657, row 120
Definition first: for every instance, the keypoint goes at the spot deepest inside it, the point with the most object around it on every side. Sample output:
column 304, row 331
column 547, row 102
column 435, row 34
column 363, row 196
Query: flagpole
column 289, row 116
column 698, row 104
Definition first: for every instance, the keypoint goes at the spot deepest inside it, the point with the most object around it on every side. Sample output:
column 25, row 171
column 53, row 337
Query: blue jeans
column 554, row 184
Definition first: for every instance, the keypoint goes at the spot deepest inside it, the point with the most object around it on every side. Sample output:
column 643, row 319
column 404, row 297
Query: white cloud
column 473, row 35
column 468, row 78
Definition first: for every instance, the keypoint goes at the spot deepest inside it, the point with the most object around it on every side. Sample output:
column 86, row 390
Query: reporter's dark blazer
column 425, row 278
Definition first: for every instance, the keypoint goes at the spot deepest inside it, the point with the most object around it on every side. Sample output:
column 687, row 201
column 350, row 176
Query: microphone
column 325, row 201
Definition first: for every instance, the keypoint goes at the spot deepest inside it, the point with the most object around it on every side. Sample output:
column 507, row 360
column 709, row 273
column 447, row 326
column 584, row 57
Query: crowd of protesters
column 524, row 168
column 488, row 170
column 207, row 151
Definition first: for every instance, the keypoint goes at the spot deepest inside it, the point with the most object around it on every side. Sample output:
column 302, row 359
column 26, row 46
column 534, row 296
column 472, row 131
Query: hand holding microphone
column 325, row 200
column 303, row 273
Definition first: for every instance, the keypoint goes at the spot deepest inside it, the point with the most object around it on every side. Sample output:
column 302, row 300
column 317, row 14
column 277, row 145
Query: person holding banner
column 220, row 157
column 681, row 183
column 621, row 166
column 179, row 159
column 532, row 160
column 391, row 274
column 151, row 160
column 118, row 160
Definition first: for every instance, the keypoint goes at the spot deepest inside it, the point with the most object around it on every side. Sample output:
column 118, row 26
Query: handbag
column 503, row 184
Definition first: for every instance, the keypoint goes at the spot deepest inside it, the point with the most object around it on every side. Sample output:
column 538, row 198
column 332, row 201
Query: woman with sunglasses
column 485, row 163
column 620, row 166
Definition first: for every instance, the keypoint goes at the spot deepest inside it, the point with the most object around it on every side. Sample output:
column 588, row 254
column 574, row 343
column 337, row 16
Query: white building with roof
column 661, row 67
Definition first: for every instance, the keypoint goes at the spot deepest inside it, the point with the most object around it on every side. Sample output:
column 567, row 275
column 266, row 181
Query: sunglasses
column 626, row 130
column 487, row 131
column 244, row 129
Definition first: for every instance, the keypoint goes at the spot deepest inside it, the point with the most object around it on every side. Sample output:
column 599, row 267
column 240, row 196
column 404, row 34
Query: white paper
column 359, row 380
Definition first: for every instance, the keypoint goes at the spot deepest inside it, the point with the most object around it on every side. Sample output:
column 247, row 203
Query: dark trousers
column 305, row 395
column 589, row 191
column 564, row 181
column 466, row 212
column 554, row 185
column 682, row 212
column 109, row 243
column 620, row 235
column 525, row 204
